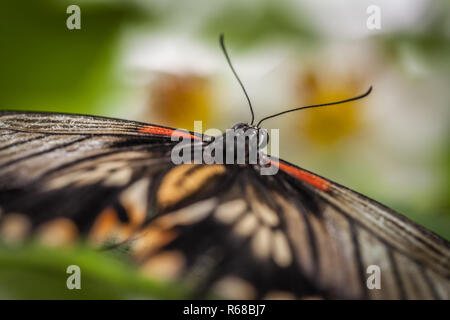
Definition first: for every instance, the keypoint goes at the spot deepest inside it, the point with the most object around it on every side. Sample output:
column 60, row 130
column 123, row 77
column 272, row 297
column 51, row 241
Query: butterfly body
column 221, row 227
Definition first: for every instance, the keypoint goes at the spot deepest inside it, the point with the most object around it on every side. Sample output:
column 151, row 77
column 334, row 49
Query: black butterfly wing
column 284, row 236
column 222, row 229
column 64, row 177
column 61, row 171
column 349, row 232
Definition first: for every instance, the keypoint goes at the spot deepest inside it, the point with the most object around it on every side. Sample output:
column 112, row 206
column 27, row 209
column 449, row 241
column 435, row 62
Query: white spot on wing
column 166, row 265
column 267, row 215
column 119, row 178
column 229, row 211
column 280, row 250
column 232, row 287
column 134, row 200
column 189, row 215
column 246, row 225
column 261, row 242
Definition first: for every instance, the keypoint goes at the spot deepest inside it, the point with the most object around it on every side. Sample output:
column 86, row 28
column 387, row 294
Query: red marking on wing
column 310, row 178
column 167, row 132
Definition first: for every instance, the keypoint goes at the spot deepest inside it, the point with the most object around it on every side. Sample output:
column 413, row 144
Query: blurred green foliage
column 36, row 272
column 431, row 43
column 249, row 26
column 45, row 66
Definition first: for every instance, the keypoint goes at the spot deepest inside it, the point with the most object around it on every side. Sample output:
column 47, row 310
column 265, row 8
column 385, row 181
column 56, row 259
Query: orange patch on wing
column 104, row 226
column 151, row 239
column 107, row 226
column 233, row 287
column 309, row 178
column 167, row 132
column 178, row 184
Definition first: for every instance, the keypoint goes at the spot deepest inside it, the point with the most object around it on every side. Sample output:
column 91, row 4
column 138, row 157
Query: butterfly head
column 252, row 131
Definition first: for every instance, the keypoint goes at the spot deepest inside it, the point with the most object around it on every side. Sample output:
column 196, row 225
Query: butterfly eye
column 263, row 138
column 239, row 125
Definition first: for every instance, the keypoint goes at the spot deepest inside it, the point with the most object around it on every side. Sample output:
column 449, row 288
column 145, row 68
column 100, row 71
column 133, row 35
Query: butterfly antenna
column 316, row 105
column 222, row 44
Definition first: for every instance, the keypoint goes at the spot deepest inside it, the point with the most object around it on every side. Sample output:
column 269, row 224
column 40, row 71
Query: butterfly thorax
column 242, row 144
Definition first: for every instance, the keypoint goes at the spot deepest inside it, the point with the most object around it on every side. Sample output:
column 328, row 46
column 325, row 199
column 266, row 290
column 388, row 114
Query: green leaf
column 32, row 271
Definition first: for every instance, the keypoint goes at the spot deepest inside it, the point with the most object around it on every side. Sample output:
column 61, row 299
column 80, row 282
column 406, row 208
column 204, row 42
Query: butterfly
column 223, row 229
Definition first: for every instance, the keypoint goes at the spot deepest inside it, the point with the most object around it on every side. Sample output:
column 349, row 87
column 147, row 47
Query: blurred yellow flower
column 329, row 125
column 179, row 100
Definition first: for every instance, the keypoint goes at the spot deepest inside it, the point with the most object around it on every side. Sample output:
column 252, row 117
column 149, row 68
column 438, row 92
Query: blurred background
column 160, row 62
